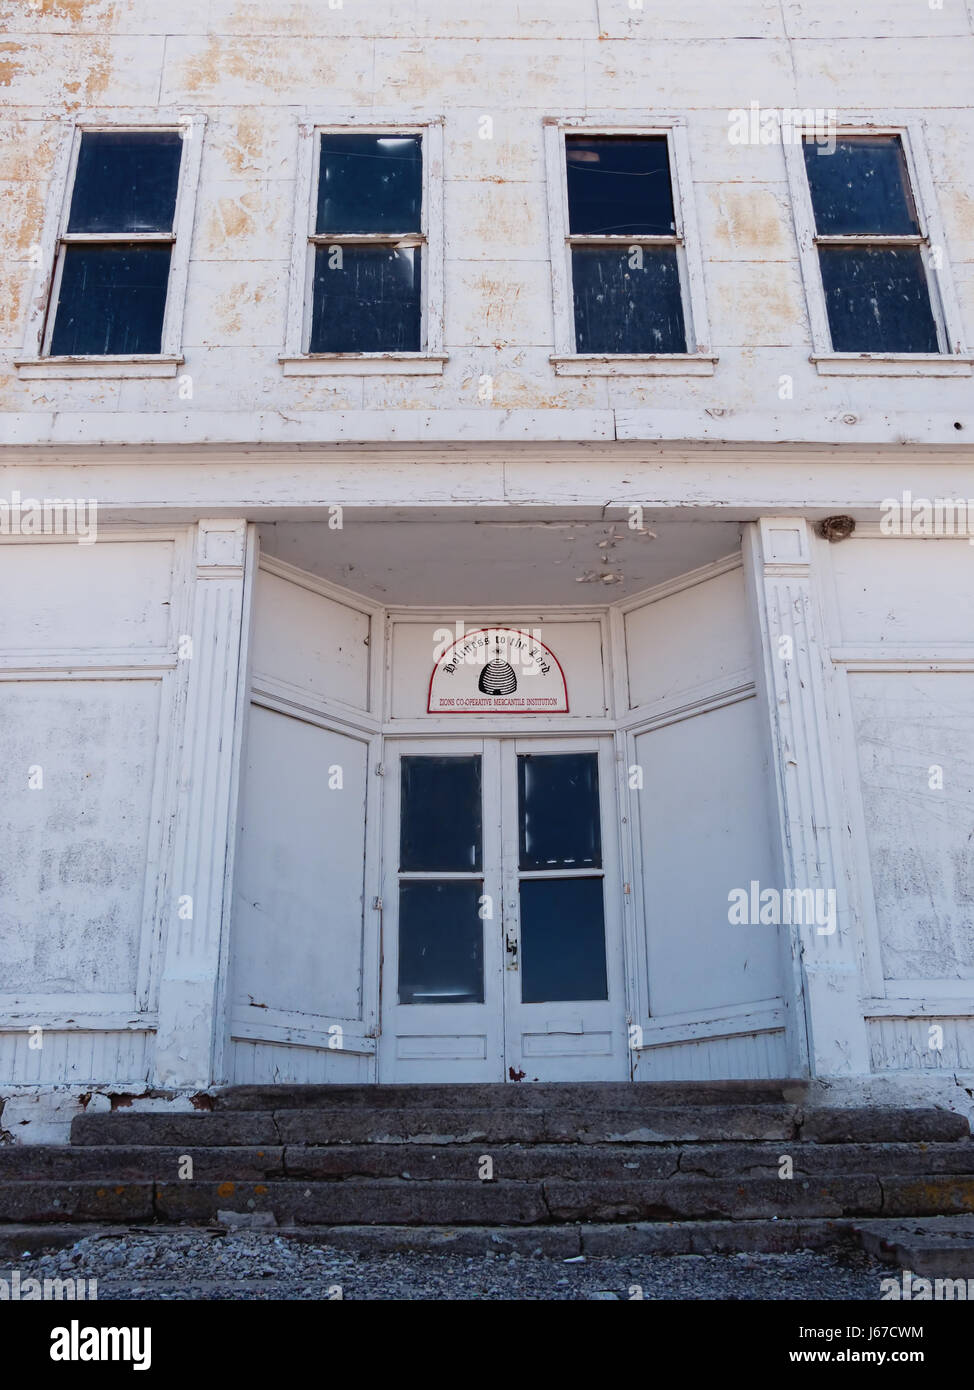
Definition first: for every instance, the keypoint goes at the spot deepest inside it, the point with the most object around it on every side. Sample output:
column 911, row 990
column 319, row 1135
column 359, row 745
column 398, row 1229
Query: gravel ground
column 250, row 1265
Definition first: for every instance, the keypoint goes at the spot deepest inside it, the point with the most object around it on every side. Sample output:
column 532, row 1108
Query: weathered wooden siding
column 304, row 936
column 900, row 613
column 89, row 687
column 255, row 70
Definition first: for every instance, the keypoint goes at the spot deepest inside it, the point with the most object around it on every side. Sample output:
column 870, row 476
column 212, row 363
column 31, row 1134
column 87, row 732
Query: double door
column 502, row 955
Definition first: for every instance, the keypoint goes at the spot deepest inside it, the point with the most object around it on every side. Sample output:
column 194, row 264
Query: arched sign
column 497, row 670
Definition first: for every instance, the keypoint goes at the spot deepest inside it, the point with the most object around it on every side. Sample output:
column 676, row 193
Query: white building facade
column 485, row 548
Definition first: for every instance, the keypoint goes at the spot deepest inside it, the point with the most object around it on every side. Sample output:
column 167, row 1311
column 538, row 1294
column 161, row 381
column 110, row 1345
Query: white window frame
column 698, row 360
column 296, row 360
column 954, row 357
column 35, row 360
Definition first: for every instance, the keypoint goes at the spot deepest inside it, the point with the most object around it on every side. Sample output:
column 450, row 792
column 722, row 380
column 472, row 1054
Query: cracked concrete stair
column 931, row 1246
column 670, row 1166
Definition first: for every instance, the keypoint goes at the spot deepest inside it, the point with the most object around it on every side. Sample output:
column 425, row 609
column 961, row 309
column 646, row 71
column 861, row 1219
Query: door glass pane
column 441, row 942
column 562, row 939
column 558, row 800
column 112, row 300
column 878, row 299
column 440, row 826
column 627, row 299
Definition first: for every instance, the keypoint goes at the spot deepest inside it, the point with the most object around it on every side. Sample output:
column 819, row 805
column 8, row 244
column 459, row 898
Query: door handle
column 510, row 943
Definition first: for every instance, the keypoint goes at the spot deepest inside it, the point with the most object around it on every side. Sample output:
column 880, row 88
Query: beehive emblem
column 497, row 678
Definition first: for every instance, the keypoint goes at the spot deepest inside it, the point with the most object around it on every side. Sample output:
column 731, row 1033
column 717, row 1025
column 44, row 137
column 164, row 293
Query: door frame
column 500, row 873
column 392, row 1066
column 615, row 1006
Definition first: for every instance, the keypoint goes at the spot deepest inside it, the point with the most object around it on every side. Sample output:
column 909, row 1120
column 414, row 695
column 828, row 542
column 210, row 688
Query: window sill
column 893, row 364
column 364, row 364
column 637, row 364
column 72, row 368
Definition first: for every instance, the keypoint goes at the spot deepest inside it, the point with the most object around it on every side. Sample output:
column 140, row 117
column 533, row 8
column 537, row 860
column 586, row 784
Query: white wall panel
column 78, row 1057
column 303, row 638
column 754, row 1055
column 903, row 1044
column 896, row 590
column 261, row 1063
column 704, row 830
column 112, row 595
column 920, row 851
column 74, row 851
column 297, row 943
column 689, row 639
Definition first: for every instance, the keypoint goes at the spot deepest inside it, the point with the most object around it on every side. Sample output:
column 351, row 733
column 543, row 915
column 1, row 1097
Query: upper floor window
column 621, row 238
column 870, row 247
column 371, row 282
column 116, row 251
column 368, row 245
column 876, row 272
column 112, row 272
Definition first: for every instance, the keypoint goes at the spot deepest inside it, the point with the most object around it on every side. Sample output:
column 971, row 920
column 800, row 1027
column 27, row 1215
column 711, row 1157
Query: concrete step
column 459, row 1123
column 453, row 1201
column 396, row 1201
column 933, row 1247
column 247, row 1129
column 614, row 1095
column 940, row 1194
column 636, row 1238
column 894, row 1159
column 119, row 1163
column 26, row 1201
column 593, row 1161
column 445, row 1126
column 418, row 1161
column 880, row 1125
column 610, row 1157
column 696, row 1199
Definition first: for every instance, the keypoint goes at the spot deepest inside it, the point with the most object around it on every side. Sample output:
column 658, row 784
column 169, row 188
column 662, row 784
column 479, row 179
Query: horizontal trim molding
column 354, row 1044
column 763, row 1017
column 81, row 368
column 385, row 364
column 637, row 364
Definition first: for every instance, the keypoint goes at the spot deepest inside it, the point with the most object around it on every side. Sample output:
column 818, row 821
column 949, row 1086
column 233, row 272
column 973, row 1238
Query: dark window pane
column 112, row 300
column 441, row 943
column 558, row 801
column 878, row 299
column 440, row 814
column 619, row 186
column 861, row 186
column 622, row 306
column 370, row 183
column 562, row 939
column 126, row 182
column 366, row 299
